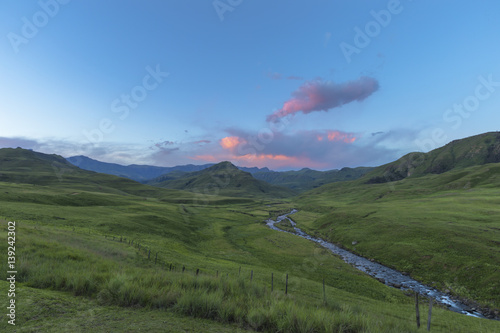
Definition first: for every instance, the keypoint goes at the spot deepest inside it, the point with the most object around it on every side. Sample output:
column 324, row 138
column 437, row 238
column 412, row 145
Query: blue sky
column 284, row 84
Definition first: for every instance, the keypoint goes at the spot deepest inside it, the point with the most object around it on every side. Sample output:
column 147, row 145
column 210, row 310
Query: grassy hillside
column 222, row 179
column 307, row 179
column 476, row 150
column 72, row 265
column 442, row 229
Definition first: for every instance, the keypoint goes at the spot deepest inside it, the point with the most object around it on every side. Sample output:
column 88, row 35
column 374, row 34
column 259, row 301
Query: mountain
column 475, row 150
column 432, row 215
column 140, row 173
column 307, row 179
column 21, row 166
column 300, row 181
column 224, row 179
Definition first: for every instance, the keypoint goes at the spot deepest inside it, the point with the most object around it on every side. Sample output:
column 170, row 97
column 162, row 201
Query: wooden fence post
column 430, row 314
column 170, row 266
column 417, row 310
column 149, row 253
column 251, row 276
column 197, row 271
column 183, row 268
column 286, row 285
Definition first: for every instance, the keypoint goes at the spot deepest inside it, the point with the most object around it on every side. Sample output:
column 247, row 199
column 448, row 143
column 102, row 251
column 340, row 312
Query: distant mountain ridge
column 140, row 173
column 301, row 180
column 307, row 179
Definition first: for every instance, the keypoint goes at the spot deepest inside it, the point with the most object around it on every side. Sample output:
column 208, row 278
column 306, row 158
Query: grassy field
column 74, row 273
column 443, row 230
column 66, row 250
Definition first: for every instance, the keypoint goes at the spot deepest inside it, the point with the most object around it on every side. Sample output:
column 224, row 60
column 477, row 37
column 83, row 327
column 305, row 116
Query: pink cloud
column 322, row 95
column 340, row 136
column 231, row 142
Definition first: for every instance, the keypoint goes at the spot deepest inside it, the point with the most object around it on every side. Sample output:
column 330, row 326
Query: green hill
column 434, row 216
column 102, row 253
column 307, row 179
column 23, row 166
column 475, row 150
column 221, row 179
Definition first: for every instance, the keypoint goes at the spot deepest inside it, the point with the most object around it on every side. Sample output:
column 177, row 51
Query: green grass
column 42, row 310
column 67, row 257
column 71, row 254
column 442, row 230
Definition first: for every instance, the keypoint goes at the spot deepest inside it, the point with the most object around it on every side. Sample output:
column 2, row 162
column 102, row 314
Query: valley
column 214, row 260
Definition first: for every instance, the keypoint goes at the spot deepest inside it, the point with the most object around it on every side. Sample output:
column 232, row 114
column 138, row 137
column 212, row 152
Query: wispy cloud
column 201, row 142
column 317, row 149
column 275, row 76
column 279, row 76
column 320, row 95
column 293, row 77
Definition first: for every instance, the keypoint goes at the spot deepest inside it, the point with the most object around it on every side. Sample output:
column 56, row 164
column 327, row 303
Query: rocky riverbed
column 388, row 275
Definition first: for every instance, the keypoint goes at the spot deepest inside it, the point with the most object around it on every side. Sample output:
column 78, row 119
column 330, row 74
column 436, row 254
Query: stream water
column 384, row 274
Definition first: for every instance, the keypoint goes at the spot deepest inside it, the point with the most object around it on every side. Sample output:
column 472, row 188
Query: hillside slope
column 476, row 150
column 222, row 179
column 23, row 166
column 307, row 179
column 435, row 217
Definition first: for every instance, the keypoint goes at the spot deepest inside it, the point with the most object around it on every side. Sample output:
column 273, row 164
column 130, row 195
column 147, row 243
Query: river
column 382, row 273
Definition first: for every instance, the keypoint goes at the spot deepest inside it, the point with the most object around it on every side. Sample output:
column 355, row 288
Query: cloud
column 320, row 95
column 275, row 76
column 163, row 144
column 316, row 149
column 18, row 142
column 340, row 136
column 279, row 76
column 231, row 142
column 105, row 151
column 201, row 142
